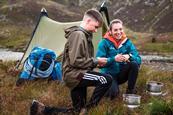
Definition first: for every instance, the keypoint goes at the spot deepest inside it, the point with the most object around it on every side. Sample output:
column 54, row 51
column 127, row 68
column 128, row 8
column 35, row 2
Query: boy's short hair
column 95, row 14
column 115, row 21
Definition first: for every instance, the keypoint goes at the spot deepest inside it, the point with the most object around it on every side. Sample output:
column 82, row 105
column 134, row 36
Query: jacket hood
column 68, row 31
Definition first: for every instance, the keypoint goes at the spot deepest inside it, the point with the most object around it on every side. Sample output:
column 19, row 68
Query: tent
column 49, row 33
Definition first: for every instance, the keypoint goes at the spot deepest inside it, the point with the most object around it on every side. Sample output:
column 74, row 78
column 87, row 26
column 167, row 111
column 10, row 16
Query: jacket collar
column 116, row 43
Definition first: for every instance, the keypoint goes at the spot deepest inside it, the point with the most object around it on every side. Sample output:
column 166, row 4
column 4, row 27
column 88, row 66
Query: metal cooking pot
column 154, row 86
column 132, row 100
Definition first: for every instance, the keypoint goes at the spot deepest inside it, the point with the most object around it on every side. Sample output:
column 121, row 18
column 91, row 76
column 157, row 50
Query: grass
column 16, row 101
column 2, row 2
column 143, row 41
column 159, row 47
column 158, row 106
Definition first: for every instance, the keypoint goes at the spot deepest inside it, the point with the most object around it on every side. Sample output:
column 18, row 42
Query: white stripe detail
column 101, row 78
column 89, row 76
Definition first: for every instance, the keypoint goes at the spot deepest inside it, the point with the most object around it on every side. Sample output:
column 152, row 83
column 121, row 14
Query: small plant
column 159, row 107
column 171, row 104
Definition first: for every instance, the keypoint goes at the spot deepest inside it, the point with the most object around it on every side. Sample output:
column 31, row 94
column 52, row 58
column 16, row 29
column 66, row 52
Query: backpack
column 41, row 64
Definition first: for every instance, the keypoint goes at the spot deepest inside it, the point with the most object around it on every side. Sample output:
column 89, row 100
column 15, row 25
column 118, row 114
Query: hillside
column 27, row 12
column 145, row 15
column 18, row 18
column 138, row 15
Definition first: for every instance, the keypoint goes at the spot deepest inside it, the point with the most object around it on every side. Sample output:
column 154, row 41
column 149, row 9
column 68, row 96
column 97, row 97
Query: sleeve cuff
column 130, row 56
column 95, row 62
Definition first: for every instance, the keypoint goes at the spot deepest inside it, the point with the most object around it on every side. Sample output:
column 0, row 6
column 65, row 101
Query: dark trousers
column 128, row 72
column 101, row 82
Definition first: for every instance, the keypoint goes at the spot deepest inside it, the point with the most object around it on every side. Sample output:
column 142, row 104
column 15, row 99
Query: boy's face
column 117, row 30
column 93, row 25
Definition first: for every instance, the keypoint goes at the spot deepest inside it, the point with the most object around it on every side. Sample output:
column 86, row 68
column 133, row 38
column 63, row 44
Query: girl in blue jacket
column 123, row 59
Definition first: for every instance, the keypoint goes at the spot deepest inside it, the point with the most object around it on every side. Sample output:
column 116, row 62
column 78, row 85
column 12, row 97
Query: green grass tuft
column 158, row 106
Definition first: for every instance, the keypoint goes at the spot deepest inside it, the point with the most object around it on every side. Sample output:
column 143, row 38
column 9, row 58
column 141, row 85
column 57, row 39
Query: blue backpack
column 41, row 64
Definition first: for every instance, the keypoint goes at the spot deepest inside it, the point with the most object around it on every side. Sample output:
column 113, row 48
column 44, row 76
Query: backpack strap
column 35, row 63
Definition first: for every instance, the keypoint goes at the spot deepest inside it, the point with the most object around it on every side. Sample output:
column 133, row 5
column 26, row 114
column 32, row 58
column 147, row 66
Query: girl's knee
column 134, row 64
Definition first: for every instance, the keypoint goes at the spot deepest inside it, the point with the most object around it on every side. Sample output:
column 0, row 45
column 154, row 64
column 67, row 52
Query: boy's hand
column 101, row 61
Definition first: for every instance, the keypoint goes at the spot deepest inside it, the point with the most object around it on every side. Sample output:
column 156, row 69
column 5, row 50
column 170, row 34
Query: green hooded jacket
column 78, row 55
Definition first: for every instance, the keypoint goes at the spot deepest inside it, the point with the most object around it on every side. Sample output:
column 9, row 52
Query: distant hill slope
column 145, row 15
column 19, row 17
column 28, row 11
column 138, row 15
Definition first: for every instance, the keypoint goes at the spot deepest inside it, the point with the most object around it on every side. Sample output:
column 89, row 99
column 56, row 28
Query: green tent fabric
column 49, row 34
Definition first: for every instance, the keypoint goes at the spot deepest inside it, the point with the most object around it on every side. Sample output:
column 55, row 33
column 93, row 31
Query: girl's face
column 117, row 31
